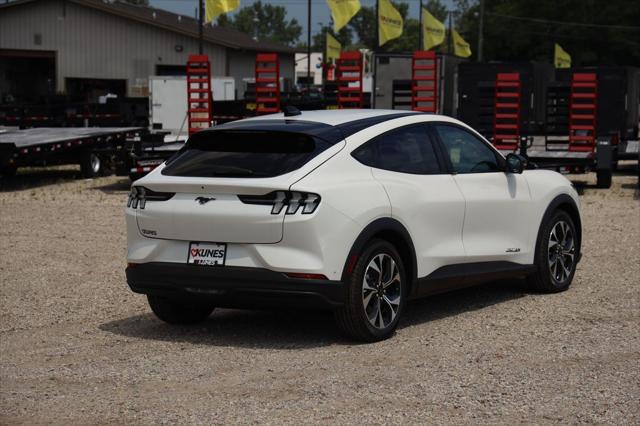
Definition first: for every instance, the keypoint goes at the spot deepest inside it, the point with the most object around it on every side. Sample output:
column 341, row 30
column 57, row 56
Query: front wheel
column 556, row 254
column 179, row 311
column 375, row 295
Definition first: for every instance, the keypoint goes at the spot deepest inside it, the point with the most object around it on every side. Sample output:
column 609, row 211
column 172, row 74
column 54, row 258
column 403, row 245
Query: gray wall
column 94, row 44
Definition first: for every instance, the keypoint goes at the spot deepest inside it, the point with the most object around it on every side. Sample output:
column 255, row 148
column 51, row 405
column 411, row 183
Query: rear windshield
column 244, row 153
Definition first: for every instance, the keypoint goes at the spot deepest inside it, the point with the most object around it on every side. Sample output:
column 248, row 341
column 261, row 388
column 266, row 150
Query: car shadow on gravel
column 303, row 329
column 121, row 185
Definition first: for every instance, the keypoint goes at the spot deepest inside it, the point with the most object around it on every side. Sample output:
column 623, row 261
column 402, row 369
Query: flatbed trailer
column 557, row 157
column 93, row 148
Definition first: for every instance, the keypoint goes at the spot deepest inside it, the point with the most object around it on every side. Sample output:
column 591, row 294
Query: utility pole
column 308, row 48
column 200, row 25
column 481, row 31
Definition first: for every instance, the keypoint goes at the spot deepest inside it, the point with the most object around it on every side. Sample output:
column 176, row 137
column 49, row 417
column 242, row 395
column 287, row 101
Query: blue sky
column 295, row 9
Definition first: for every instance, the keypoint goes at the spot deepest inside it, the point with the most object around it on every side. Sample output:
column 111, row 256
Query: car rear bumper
column 233, row 286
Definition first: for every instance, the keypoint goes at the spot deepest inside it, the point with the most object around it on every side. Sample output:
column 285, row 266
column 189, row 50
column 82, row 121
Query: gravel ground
column 76, row 346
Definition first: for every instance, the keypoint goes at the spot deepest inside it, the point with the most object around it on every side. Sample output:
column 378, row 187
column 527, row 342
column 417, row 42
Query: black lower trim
column 233, row 287
column 453, row 277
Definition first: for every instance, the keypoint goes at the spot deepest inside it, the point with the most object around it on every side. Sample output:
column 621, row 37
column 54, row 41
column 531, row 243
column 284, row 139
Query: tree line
column 594, row 32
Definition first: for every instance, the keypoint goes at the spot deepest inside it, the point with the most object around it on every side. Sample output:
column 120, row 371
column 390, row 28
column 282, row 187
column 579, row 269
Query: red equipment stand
column 506, row 113
column 267, row 83
column 582, row 112
column 424, row 81
column 199, row 96
column 349, row 77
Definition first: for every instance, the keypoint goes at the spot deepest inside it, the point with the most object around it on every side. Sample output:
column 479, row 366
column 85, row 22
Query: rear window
column 242, row 153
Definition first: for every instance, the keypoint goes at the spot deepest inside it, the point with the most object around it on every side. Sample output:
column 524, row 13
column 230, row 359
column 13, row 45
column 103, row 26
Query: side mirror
column 516, row 163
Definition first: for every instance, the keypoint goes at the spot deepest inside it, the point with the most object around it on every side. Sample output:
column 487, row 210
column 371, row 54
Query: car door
column 497, row 204
column 423, row 196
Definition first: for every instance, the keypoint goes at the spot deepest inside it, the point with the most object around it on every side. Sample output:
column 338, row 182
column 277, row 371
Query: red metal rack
column 583, row 112
column 424, row 81
column 506, row 113
column 349, row 77
column 199, row 96
column 267, row 83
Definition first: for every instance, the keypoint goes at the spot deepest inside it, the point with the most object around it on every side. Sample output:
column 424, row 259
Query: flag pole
column 480, row 31
column 420, row 31
column 308, row 48
column 200, row 25
column 374, row 57
column 450, row 33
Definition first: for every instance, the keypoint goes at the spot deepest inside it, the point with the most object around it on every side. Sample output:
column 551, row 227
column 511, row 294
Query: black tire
column 179, row 311
column 90, row 164
column 544, row 279
column 352, row 317
column 603, row 178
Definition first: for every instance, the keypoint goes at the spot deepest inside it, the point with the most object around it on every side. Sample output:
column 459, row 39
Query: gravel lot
column 77, row 346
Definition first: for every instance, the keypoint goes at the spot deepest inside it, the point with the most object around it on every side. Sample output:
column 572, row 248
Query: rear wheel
column 90, row 164
column 556, row 254
column 180, row 311
column 375, row 295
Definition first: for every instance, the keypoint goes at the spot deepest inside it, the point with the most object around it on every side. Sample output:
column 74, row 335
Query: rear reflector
column 132, row 265
column 305, row 276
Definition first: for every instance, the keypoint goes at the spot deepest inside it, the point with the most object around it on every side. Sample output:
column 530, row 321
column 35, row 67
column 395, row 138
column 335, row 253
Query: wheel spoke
column 381, row 290
column 380, row 318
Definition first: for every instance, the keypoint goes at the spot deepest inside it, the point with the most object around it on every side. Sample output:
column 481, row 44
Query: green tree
column 344, row 36
column 265, row 22
column 526, row 30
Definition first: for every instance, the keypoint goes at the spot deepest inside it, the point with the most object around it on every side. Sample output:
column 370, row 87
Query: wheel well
column 572, row 211
column 405, row 250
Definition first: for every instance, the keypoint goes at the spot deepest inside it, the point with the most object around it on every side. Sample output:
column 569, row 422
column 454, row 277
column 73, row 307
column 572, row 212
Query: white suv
column 357, row 211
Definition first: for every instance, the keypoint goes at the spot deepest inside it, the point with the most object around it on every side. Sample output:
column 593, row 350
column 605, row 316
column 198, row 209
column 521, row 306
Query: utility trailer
column 573, row 121
column 93, row 148
column 395, row 82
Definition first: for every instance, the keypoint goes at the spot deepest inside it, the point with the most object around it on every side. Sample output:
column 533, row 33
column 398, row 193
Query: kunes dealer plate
column 207, row 254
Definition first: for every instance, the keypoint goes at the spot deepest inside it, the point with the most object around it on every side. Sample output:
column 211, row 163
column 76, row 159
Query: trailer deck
column 39, row 136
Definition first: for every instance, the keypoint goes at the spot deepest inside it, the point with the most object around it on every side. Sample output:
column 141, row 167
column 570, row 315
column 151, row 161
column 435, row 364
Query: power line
column 577, row 24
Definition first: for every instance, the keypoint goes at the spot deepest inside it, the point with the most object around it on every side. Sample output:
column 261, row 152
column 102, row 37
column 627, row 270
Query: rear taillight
column 139, row 195
column 290, row 201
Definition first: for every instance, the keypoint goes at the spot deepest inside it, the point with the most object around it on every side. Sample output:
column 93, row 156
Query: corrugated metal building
column 89, row 47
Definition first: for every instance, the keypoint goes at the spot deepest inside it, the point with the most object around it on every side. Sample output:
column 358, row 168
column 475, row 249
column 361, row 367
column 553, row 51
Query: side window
column 404, row 150
column 467, row 153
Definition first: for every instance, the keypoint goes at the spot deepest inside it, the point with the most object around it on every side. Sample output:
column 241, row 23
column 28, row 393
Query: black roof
column 181, row 24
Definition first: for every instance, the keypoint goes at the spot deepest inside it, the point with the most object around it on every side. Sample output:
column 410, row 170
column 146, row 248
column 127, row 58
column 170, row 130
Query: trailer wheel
column 603, row 178
column 90, row 164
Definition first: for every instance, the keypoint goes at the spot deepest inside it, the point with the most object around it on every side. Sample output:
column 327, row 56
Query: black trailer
column 477, row 91
column 93, row 148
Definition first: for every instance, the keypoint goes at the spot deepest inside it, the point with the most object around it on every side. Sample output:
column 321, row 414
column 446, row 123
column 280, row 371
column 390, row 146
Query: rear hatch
column 208, row 190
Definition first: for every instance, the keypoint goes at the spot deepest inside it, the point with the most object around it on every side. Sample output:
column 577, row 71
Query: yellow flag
column 333, row 48
column 389, row 22
column 561, row 59
column 342, row 11
column 215, row 8
column 460, row 46
column 433, row 32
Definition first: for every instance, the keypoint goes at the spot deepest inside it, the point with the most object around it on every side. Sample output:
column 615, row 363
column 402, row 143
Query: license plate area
column 207, row 254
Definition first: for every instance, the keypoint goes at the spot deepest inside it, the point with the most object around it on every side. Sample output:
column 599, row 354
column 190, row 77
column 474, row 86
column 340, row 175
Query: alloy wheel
column 381, row 290
column 561, row 252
